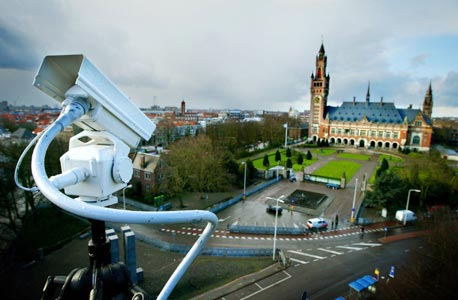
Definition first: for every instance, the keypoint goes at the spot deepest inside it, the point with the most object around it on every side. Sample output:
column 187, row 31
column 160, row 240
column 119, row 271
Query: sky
column 239, row 54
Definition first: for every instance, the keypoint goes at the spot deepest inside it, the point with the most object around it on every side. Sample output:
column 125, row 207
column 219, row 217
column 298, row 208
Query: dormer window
column 418, row 123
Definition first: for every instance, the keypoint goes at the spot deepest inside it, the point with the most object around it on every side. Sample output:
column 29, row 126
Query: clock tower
column 319, row 89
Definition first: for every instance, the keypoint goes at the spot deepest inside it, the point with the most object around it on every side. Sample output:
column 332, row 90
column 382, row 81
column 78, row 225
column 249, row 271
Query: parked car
column 292, row 178
column 333, row 186
column 274, row 208
column 317, row 223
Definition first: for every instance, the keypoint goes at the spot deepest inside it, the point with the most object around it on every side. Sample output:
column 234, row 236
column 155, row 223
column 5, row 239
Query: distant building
column 366, row 124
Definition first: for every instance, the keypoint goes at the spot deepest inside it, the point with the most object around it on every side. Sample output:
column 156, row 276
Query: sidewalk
column 239, row 283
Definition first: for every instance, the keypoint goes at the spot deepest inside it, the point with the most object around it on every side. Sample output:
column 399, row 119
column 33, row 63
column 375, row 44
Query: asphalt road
column 324, row 269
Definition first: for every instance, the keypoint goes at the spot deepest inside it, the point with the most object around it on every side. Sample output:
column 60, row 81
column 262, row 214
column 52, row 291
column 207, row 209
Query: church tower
column 319, row 89
column 428, row 103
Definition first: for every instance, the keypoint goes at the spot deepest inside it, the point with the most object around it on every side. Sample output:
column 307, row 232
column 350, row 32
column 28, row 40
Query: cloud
column 15, row 51
column 234, row 54
column 419, row 60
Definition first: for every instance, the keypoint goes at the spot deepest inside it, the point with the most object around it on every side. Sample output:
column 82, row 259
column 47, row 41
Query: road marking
column 368, row 244
column 299, row 261
column 305, row 254
column 330, row 251
column 350, row 248
column 267, row 287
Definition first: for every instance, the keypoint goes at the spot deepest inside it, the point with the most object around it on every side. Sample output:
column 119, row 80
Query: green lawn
column 336, row 168
column 272, row 163
column 391, row 158
column 324, row 152
column 354, row 156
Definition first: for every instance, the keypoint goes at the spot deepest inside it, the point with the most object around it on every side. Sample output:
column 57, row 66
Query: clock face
column 317, row 99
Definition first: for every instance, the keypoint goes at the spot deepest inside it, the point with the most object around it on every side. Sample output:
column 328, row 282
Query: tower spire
column 428, row 102
column 368, row 94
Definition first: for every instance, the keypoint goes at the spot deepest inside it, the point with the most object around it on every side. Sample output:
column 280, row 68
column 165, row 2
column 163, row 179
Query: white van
column 407, row 215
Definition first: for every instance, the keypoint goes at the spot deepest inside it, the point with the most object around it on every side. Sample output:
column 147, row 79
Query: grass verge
column 336, row 168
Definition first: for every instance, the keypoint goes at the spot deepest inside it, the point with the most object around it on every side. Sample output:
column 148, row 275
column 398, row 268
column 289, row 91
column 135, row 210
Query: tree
column 196, row 165
column 390, row 191
column 383, row 167
column 265, row 161
column 277, row 156
column 300, row 159
column 289, row 163
column 288, row 152
column 308, row 155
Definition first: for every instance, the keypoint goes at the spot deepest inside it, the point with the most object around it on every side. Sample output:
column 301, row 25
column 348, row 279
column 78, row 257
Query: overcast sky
column 239, row 54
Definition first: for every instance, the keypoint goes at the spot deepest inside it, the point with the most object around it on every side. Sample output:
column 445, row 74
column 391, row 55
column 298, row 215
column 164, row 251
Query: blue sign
column 391, row 272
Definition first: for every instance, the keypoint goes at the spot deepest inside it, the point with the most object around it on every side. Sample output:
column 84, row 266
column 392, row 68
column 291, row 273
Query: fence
column 211, row 251
column 322, row 179
column 223, row 205
column 267, row 229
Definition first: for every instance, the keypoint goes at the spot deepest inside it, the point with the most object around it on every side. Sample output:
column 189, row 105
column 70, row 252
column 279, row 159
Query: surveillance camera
column 65, row 76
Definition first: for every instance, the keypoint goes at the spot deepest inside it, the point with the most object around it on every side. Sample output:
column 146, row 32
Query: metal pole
column 286, row 135
column 275, row 232
column 244, row 181
column 407, row 205
column 352, row 219
column 124, row 195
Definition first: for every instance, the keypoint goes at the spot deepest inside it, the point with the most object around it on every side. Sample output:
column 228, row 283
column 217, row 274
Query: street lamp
column 124, row 194
column 244, row 180
column 352, row 219
column 276, row 217
column 286, row 134
column 407, row 205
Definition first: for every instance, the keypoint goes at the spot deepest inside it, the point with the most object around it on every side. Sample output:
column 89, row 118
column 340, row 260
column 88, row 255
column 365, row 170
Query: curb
column 403, row 236
column 239, row 283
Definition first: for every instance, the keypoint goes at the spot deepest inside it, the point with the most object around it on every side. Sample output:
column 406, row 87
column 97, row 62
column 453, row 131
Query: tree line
column 432, row 175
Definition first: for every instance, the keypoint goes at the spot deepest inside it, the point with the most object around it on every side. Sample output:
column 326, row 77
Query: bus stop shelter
column 361, row 285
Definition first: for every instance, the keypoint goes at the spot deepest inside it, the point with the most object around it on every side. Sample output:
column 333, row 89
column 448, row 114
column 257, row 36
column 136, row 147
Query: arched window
column 416, row 140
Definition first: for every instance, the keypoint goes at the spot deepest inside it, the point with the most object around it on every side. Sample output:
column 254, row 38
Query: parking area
column 252, row 211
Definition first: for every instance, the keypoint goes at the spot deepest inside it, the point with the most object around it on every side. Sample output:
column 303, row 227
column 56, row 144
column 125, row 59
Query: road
column 326, row 268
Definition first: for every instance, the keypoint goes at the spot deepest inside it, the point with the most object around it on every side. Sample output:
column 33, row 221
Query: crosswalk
column 190, row 231
column 301, row 257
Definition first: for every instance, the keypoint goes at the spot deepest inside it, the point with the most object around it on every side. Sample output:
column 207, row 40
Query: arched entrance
column 372, row 143
column 379, row 144
column 339, row 141
column 345, row 141
column 352, row 142
column 361, row 143
column 387, row 145
column 332, row 140
column 395, row 145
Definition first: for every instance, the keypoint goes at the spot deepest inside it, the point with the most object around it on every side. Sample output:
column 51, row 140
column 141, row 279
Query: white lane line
column 305, row 254
column 267, row 287
column 368, row 244
column 350, row 248
column 299, row 261
column 330, row 251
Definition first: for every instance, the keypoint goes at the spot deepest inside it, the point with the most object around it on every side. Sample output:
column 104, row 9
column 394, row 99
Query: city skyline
column 249, row 55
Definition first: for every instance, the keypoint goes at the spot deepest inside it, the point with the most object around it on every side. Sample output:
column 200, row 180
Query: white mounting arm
column 73, row 111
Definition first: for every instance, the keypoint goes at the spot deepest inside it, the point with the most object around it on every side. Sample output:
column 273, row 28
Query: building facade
column 366, row 124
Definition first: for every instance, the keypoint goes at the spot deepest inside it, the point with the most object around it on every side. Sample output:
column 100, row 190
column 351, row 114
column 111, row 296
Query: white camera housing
column 110, row 110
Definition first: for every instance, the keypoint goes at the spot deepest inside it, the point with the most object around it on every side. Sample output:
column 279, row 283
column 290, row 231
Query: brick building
column 366, row 124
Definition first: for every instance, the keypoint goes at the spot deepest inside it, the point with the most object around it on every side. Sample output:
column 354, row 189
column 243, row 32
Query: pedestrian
column 332, row 224
column 337, row 221
column 362, row 229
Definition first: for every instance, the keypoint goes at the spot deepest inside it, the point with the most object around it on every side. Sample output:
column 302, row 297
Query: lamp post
column 244, row 180
column 352, row 219
column 286, row 134
column 407, row 205
column 124, row 195
column 276, row 218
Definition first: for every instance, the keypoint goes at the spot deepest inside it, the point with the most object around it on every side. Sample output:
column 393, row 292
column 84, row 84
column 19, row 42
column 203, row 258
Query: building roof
column 145, row 161
column 374, row 112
